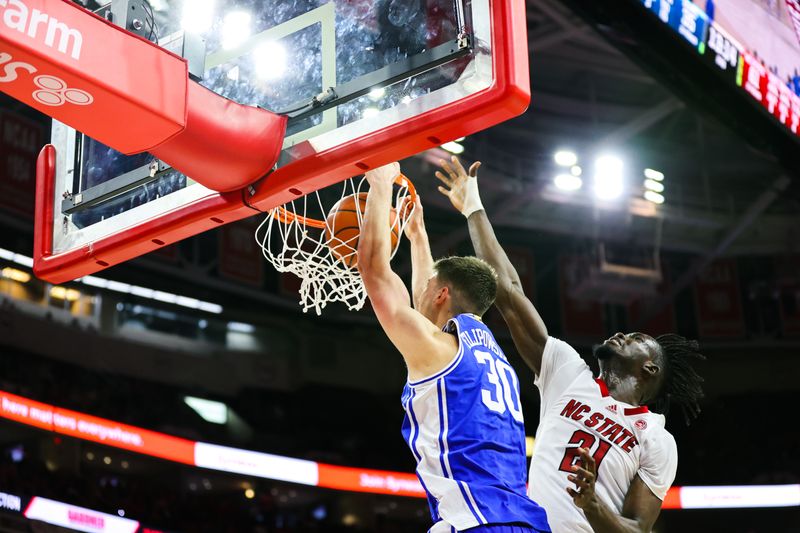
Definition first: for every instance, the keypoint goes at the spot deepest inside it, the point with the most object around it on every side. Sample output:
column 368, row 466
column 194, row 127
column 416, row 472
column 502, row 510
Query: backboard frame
column 506, row 95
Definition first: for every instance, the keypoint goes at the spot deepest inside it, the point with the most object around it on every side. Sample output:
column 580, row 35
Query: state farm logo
column 51, row 90
column 54, row 92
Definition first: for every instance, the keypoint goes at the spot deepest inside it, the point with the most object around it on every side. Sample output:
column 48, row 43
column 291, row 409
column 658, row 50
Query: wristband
column 472, row 200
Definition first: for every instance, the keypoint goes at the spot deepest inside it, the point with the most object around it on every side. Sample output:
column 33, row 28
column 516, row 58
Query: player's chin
column 603, row 351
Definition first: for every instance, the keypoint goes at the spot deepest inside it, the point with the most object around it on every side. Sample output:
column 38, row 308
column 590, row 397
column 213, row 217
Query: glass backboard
column 364, row 82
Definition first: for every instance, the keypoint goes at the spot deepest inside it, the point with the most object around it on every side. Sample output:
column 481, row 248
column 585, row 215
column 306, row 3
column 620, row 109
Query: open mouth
column 615, row 341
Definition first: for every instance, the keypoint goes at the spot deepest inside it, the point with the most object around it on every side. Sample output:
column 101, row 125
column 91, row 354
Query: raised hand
column 415, row 223
column 460, row 186
column 383, row 175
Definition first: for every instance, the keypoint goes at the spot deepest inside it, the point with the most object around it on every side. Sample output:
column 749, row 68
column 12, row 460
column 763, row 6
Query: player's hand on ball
column 584, row 477
column 415, row 221
column 460, row 186
column 384, row 175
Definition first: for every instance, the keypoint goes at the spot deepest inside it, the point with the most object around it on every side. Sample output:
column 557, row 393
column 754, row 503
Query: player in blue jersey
column 463, row 416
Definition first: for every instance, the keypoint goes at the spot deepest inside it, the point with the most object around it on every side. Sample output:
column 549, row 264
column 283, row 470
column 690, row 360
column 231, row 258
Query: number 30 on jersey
column 505, row 395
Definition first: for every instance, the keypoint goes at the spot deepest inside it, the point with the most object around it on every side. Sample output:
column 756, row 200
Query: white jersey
column 577, row 412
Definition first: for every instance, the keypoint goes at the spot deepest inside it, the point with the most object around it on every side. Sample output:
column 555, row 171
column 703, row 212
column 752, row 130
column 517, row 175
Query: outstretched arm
column 425, row 348
column 527, row 328
column 639, row 511
column 421, row 258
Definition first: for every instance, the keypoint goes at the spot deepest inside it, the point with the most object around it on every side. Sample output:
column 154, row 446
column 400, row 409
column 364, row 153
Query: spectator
column 710, row 8
column 796, row 82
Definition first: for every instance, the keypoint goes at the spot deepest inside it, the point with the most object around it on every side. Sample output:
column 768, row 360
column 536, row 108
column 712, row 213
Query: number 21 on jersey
column 505, row 392
column 582, row 439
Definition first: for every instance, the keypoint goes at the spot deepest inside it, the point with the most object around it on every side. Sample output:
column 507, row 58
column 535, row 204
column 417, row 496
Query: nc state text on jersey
column 601, row 424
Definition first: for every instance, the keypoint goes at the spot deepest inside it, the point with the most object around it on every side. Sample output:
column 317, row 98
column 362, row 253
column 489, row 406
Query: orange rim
column 287, row 217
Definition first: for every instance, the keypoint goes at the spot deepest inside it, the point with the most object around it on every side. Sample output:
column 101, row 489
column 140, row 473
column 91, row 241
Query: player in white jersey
column 463, row 421
column 602, row 461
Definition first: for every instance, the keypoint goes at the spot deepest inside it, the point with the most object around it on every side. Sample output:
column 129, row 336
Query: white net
column 298, row 237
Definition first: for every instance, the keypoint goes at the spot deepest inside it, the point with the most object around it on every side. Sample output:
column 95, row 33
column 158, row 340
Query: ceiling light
column 142, row 292
column 653, row 174
column 118, row 286
column 654, row 197
column 608, row 179
column 453, row 148
column 567, row 182
column 654, row 185
column 565, row 158
column 210, row 308
column 249, row 494
column 270, row 60
column 377, row 93
column 19, row 259
column 241, row 327
column 576, row 170
column 94, row 282
column 151, row 294
column 210, row 411
column 166, row 297
column 198, row 16
column 185, row 301
column 235, row 29
column 16, row 275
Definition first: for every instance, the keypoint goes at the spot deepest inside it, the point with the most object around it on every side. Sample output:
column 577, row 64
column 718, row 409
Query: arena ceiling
column 724, row 195
column 594, row 92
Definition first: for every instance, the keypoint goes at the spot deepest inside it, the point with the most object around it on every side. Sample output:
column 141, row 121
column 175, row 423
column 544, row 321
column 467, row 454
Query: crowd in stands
column 737, row 440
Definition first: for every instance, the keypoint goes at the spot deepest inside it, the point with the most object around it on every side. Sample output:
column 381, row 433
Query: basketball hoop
column 296, row 238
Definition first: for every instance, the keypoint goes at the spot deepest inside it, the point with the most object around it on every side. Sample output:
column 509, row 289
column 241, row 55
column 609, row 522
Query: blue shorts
column 505, row 528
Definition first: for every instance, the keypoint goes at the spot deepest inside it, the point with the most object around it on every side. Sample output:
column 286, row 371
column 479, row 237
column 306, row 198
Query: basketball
column 342, row 229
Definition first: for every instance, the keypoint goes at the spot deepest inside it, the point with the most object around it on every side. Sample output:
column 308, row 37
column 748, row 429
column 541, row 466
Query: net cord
column 294, row 242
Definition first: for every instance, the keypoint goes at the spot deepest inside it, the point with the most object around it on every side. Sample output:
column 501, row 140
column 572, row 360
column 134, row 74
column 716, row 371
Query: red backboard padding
column 225, row 146
column 91, row 75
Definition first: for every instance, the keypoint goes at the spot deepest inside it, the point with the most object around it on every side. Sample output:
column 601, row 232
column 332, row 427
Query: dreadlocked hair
column 682, row 385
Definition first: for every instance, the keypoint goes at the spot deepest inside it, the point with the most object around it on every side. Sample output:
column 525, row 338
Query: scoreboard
column 734, row 62
column 684, row 17
column 722, row 51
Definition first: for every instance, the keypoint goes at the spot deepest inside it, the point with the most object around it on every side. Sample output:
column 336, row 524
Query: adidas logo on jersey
column 612, row 408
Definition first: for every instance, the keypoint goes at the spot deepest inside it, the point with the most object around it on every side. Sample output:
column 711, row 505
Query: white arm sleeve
column 561, row 364
column 659, row 463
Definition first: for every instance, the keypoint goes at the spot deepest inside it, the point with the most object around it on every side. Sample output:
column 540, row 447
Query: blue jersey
column 464, row 426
